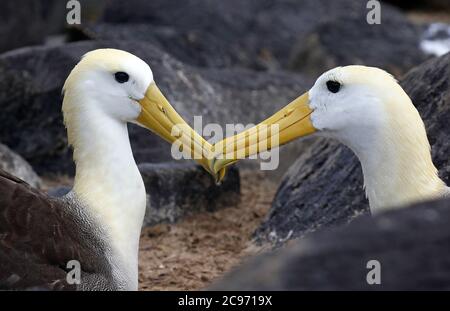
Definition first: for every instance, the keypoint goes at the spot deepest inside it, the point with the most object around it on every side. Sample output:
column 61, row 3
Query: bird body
column 98, row 223
column 40, row 235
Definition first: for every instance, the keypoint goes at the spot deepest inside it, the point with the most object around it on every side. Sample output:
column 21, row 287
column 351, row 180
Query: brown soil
column 190, row 254
column 424, row 17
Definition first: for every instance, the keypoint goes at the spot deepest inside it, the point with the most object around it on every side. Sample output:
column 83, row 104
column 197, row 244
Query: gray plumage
column 39, row 235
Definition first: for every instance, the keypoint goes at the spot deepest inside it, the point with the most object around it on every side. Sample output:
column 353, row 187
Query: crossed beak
column 161, row 118
column 289, row 123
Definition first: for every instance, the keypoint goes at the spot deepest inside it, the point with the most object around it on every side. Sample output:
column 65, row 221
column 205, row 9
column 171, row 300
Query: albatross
column 367, row 110
column 96, row 227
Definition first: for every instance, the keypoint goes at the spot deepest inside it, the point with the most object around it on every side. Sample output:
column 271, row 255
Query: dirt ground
column 423, row 17
column 192, row 253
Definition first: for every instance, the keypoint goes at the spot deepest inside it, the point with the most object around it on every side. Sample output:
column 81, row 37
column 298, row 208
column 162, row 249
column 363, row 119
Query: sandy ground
column 192, row 253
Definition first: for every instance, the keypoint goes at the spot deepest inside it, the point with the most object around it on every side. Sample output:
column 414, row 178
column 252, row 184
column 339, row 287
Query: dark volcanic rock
column 176, row 190
column 410, row 244
column 31, row 80
column 29, row 23
column 352, row 41
column 13, row 19
column 17, row 166
column 325, row 186
column 258, row 34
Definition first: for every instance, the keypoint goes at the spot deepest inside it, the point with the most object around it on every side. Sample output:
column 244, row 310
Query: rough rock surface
column 351, row 41
column 17, row 166
column 178, row 189
column 30, row 23
column 257, row 34
column 411, row 246
column 325, row 186
column 30, row 99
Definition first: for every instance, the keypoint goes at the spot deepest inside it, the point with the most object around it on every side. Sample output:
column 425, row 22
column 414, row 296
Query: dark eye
column 121, row 77
column 333, row 86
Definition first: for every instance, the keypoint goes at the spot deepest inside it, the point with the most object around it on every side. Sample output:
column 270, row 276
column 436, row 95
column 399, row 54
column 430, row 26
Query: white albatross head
column 367, row 110
column 110, row 84
column 117, row 80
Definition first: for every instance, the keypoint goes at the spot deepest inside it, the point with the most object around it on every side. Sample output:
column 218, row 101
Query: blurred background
column 233, row 61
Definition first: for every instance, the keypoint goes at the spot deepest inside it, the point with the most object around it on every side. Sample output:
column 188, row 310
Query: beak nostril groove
column 289, row 112
column 162, row 109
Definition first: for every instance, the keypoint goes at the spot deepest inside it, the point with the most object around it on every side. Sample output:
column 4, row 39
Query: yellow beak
column 161, row 118
column 291, row 122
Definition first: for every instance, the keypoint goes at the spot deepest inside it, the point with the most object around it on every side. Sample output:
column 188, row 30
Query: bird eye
column 333, row 86
column 121, row 77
